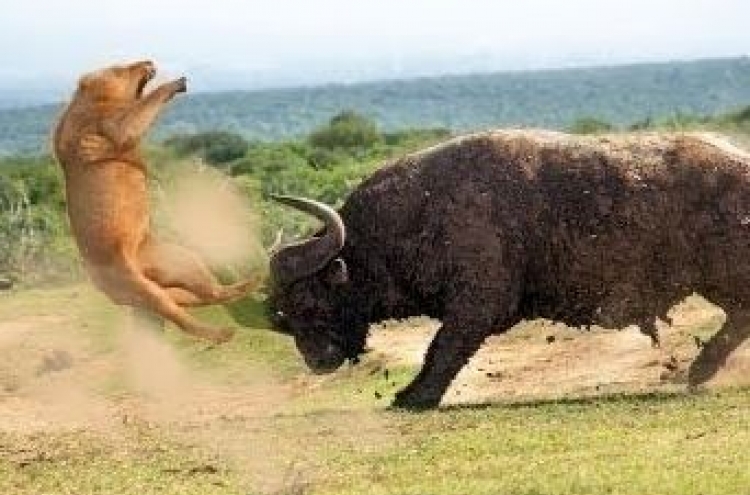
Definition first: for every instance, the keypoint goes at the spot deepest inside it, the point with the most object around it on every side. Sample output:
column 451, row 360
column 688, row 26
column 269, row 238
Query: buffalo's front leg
column 476, row 305
column 449, row 351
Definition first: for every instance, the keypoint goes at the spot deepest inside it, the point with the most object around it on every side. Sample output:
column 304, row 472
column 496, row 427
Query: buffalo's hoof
column 701, row 372
column 412, row 400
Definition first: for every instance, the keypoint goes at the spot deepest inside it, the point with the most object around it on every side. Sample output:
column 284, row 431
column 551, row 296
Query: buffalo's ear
column 337, row 273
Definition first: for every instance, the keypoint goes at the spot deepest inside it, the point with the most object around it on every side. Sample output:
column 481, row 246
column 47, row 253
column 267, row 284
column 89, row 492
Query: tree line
column 326, row 164
column 548, row 98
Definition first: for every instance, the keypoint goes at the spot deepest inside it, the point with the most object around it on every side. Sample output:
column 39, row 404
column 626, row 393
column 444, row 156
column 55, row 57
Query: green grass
column 144, row 462
column 630, row 445
column 337, row 436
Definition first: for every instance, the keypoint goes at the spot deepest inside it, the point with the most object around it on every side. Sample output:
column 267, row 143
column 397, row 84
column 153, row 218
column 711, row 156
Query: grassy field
column 89, row 405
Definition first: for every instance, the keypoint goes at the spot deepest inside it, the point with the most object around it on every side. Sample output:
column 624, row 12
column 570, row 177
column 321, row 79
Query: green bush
column 34, row 241
column 327, row 165
column 263, row 159
column 590, row 125
column 347, row 130
column 216, row 147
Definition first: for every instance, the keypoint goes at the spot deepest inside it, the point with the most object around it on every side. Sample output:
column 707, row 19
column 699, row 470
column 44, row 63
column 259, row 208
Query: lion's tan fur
column 97, row 144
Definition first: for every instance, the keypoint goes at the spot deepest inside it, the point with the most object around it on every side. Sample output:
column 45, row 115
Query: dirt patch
column 55, row 383
column 46, row 376
column 542, row 360
column 51, row 380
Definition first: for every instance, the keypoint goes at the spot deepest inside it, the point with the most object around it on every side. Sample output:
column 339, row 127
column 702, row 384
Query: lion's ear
column 89, row 82
column 84, row 83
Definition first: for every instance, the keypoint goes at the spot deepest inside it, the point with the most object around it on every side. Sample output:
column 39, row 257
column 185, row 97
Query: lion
column 96, row 142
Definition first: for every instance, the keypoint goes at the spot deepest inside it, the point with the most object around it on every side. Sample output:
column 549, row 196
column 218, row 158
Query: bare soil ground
column 56, row 379
column 50, row 379
column 542, row 360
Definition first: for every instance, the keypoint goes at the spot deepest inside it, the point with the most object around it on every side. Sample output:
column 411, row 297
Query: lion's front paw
column 179, row 85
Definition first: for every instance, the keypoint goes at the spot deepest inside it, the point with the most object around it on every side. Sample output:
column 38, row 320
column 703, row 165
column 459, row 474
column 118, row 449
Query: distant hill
column 33, row 95
column 548, row 98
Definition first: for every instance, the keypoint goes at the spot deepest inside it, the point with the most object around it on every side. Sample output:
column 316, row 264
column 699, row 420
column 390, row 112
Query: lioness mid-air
column 97, row 144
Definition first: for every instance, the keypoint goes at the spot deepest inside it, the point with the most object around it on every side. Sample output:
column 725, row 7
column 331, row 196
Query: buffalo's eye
column 279, row 321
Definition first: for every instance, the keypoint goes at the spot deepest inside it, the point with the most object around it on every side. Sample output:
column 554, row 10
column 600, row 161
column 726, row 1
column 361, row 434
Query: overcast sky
column 340, row 39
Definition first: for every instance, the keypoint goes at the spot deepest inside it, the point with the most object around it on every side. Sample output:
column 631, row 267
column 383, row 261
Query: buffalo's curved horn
column 302, row 259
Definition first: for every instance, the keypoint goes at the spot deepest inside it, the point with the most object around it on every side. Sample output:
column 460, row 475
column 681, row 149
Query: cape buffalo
column 489, row 229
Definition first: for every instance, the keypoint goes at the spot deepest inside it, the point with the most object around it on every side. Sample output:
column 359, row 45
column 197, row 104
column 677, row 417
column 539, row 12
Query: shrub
column 33, row 242
column 590, row 125
column 216, row 147
column 347, row 130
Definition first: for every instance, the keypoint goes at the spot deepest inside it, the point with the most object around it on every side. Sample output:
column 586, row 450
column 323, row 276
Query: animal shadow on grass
column 631, row 398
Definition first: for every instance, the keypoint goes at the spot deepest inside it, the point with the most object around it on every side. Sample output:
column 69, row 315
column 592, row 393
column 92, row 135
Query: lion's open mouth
column 147, row 76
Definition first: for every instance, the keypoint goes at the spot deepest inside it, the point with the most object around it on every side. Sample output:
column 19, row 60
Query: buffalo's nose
column 324, row 364
column 321, row 366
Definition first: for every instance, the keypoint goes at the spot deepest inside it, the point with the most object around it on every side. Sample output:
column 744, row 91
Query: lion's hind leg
column 126, row 284
column 147, row 294
column 186, row 277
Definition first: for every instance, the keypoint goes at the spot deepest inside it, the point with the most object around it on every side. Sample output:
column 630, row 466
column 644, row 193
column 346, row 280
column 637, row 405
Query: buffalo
column 489, row 229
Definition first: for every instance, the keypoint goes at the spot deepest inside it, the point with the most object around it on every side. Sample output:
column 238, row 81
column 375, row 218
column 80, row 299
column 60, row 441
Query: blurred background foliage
column 36, row 246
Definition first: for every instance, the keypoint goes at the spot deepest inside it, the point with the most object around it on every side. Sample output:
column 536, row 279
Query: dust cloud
column 209, row 214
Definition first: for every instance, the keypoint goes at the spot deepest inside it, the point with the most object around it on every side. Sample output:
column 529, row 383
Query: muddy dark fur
column 490, row 229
